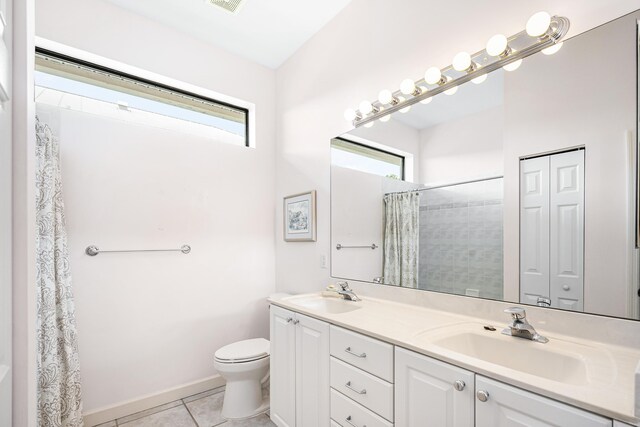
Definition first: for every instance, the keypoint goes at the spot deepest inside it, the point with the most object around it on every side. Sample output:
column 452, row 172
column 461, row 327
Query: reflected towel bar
column 372, row 246
column 94, row 250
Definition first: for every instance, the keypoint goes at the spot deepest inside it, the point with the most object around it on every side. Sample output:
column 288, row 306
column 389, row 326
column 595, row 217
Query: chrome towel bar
column 371, row 246
column 94, row 250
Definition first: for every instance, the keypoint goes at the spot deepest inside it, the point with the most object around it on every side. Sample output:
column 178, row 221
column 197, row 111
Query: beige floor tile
column 151, row 411
column 109, row 424
column 203, row 394
column 259, row 421
column 207, row 410
column 174, row 417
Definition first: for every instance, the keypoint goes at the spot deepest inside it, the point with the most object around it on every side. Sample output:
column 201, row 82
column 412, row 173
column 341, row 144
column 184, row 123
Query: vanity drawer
column 351, row 414
column 366, row 389
column 371, row 355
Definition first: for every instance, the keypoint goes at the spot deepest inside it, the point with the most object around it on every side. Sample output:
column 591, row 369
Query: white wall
column 339, row 67
column 152, row 321
column 450, row 153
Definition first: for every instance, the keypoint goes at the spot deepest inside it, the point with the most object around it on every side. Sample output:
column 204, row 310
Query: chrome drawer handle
column 289, row 319
column 362, row 355
column 348, row 385
column 295, row 322
column 348, row 419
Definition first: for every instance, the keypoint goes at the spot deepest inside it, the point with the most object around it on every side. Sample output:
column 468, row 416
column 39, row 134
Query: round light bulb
column 407, row 86
column 432, row 76
column 368, row 125
column 513, row 66
column 385, row 97
column 497, row 45
column 349, row 114
column 462, row 61
column 386, row 118
column 480, row 79
column 426, row 101
column 451, row 91
column 365, row 108
column 538, row 24
column 552, row 49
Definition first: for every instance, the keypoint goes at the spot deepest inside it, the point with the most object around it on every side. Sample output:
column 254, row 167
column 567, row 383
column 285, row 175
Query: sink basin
column 558, row 360
column 330, row 305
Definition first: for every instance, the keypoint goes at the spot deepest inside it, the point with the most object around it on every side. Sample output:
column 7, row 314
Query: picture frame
column 299, row 212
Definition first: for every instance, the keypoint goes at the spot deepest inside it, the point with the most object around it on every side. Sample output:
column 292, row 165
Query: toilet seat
column 243, row 351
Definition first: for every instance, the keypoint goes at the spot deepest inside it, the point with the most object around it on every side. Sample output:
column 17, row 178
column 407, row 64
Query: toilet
column 245, row 367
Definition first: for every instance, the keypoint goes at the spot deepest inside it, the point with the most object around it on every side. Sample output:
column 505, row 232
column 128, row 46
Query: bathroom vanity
column 380, row 363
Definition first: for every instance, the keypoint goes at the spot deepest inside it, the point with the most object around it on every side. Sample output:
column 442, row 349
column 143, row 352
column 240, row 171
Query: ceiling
column 264, row 31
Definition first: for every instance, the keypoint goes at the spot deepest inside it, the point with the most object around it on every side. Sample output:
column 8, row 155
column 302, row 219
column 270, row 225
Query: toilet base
column 244, row 400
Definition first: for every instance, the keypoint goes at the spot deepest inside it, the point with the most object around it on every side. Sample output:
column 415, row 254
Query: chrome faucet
column 346, row 292
column 519, row 327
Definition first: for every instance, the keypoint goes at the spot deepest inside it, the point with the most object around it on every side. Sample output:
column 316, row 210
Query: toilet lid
column 243, row 351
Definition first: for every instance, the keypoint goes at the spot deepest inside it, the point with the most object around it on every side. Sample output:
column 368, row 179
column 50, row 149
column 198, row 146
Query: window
column 71, row 83
column 353, row 155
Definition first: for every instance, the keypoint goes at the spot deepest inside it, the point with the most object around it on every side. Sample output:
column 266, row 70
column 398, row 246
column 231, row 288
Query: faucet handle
column 517, row 313
column 343, row 285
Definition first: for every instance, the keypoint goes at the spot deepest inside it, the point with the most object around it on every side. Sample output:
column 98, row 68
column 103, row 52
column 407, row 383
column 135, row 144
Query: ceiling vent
column 232, row 6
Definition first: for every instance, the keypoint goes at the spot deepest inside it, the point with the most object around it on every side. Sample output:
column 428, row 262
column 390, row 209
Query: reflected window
column 353, row 155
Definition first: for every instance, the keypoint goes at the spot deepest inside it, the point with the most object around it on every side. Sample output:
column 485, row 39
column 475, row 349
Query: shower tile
column 148, row 412
column 207, row 410
column 174, row 417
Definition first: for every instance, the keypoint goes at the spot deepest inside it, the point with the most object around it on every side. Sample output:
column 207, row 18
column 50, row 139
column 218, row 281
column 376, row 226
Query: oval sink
column 330, row 305
column 558, row 360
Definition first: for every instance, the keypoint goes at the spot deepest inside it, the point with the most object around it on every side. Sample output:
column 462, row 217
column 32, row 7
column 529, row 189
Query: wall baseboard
column 142, row 403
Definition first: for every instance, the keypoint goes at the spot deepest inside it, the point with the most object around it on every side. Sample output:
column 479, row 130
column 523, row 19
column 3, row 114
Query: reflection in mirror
column 520, row 188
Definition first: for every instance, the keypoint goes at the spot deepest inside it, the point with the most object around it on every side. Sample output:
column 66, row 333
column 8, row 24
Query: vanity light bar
column 542, row 33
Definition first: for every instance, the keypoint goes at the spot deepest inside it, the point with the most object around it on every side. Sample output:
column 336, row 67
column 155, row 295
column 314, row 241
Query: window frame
column 136, row 78
column 375, row 149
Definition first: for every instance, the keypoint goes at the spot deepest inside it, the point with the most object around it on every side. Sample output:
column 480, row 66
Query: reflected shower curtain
column 401, row 233
column 58, row 368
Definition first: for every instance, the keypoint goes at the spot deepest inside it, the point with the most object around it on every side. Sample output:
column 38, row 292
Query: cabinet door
column 425, row 394
column 509, row 406
column 312, row 372
column 283, row 378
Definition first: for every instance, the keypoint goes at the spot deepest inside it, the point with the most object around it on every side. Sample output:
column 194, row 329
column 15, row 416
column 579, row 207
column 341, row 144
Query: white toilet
column 245, row 367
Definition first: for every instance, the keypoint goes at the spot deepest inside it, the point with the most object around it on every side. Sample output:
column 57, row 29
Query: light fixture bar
column 520, row 45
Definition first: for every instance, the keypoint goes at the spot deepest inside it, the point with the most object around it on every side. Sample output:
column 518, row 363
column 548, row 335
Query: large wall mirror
column 521, row 188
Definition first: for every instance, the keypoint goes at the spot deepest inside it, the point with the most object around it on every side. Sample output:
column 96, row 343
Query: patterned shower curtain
column 401, row 232
column 58, row 367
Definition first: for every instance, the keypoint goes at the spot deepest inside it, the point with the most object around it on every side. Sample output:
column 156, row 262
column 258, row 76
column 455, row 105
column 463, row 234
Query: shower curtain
column 58, row 368
column 401, row 231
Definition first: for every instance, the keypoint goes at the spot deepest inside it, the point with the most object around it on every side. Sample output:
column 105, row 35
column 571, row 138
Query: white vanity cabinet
column 430, row 393
column 299, row 370
column 500, row 404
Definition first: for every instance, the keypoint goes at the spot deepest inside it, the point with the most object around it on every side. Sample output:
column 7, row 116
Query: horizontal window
column 75, row 84
column 361, row 157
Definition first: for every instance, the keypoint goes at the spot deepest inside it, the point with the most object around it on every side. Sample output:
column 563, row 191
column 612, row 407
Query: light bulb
column 552, row 49
column 451, row 91
column 497, row 45
column 368, row 125
column 385, row 97
column 432, row 76
column 407, row 87
column 513, row 66
column 538, row 24
column 365, row 108
column 350, row 115
column 480, row 79
column 386, row 118
column 426, row 101
column 462, row 61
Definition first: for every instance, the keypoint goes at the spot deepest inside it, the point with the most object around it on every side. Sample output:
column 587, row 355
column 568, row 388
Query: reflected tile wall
column 461, row 239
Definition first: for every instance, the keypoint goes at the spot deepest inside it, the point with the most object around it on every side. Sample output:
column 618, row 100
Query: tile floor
column 200, row 410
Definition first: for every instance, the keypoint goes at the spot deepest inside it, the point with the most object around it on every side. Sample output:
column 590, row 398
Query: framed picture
column 300, row 217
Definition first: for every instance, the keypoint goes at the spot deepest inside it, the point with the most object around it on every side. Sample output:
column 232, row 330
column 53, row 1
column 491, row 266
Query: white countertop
column 609, row 390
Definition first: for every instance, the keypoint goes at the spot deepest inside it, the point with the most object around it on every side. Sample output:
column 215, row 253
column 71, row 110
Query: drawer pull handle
column 289, row 319
column 348, row 419
column 348, row 385
column 482, row 395
column 362, row 355
column 295, row 322
column 459, row 385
